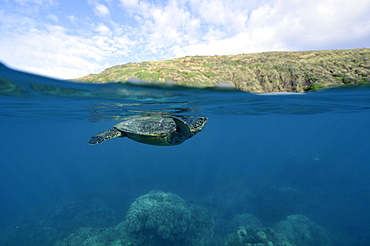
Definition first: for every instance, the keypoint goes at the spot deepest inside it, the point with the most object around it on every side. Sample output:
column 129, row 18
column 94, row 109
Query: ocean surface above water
column 270, row 156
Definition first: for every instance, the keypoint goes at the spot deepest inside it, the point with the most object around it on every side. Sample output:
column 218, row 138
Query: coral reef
column 246, row 220
column 157, row 218
column 299, row 230
column 248, row 230
column 88, row 236
column 47, row 225
column 159, row 214
column 296, row 230
column 160, row 218
column 201, row 231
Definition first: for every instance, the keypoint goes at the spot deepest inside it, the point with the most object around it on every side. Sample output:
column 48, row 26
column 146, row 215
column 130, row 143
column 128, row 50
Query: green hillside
column 262, row 72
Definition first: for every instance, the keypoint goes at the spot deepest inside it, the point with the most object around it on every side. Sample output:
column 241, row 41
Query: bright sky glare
column 72, row 38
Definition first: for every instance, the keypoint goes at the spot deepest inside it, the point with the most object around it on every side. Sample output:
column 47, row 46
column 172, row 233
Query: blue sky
column 72, row 38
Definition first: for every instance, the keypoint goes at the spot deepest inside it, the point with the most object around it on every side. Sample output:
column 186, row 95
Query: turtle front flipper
column 104, row 136
column 182, row 132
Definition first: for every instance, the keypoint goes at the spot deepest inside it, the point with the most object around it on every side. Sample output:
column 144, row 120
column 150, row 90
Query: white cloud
column 171, row 24
column 31, row 6
column 320, row 23
column 72, row 18
column 207, row 27
column 101, row 10
column 52, row 17
column 129, row 3
column 162, row 26
column 281, row 25
column 230, row 15
column 103, row 30
column 40, row 3
column 49, row 50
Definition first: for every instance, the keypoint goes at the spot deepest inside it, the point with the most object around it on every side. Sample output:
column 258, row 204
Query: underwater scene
column 122, row 164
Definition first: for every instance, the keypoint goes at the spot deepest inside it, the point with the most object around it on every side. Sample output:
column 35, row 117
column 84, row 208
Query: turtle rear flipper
column 104, row 136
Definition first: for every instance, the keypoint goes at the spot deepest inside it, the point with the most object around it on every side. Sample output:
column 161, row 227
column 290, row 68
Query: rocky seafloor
column 160, row 218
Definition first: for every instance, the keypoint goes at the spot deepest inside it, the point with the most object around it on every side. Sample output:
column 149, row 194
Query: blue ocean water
column 269, row 155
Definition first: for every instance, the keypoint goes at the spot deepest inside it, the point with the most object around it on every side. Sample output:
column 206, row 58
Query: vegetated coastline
column 297, row 71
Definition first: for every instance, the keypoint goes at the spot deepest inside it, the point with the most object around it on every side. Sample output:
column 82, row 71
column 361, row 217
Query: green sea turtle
column 163, row 130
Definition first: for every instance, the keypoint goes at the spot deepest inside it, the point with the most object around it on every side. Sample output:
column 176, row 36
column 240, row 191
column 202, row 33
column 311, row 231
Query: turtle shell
column 148, row 126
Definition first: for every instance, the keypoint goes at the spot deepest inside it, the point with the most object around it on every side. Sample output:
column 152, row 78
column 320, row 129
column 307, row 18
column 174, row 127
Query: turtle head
column 197, row 124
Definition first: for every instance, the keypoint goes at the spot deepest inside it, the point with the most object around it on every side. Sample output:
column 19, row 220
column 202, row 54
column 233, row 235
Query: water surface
column 271, row 156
